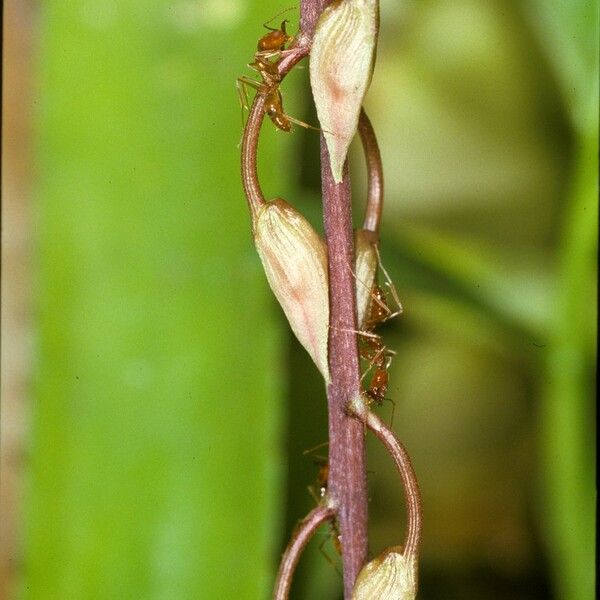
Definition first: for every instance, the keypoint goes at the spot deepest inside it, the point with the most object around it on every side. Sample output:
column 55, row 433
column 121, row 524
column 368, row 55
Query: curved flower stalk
column 393, row 574
column 302, row 535
column 366, row 239
column 293, row 255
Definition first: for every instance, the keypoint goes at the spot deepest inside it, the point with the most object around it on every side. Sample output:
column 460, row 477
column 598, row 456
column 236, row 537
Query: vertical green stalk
column 567, row 410
column 154, row 466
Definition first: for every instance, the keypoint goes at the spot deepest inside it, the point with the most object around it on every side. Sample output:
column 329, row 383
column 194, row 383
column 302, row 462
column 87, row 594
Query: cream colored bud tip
column 389, row 576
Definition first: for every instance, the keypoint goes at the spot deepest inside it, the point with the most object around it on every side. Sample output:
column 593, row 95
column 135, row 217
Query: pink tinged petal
column 341, row 65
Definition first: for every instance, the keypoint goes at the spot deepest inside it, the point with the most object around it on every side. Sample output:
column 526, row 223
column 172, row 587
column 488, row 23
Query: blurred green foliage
column 486, row 114
column 157, row 443
column 155, row 471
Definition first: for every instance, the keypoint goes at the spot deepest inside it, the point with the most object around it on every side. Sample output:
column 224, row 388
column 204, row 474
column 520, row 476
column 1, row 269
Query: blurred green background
column 156, row 411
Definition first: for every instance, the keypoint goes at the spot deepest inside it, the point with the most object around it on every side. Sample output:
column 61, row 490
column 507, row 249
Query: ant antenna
column 317, row 447
column 278, row 15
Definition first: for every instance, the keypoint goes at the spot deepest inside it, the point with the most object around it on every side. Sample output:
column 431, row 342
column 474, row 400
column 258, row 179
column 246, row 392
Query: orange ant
column 379, row 310
column 272, row 44
column 380, row 358
column 371, row 346
column 322, row 477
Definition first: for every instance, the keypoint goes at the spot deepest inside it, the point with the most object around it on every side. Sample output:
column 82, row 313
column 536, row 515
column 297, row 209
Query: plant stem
column 310, row 10
column 412, row 494
column 374, row 207
column 347, row 484
column 252, row 188
column 412, row 539
column 346, row 497
column 305, row 530
column 347, row 463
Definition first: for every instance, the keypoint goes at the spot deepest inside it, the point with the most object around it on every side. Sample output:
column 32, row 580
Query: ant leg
column 391, row 286
column 288, row 50
column 367, row 334
column 326, row 556
column 310, row 450
column 393, row 411
column 305, row 125
column 242, row 97
column 311, row 491
column 374, row 297
column 266, row 54
column 377, row 355
column 373, row 361
column 241, row 84
column 367, row 371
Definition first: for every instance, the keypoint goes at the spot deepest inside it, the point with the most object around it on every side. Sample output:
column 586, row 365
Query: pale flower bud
column 295, row 262
column 390, row 576
column 341, row 65
column 366, row 262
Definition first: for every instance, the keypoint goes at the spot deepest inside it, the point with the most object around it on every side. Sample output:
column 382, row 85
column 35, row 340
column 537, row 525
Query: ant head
column 275, row 40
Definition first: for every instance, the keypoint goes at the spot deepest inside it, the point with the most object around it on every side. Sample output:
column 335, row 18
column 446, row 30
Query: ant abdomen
column 274, row 110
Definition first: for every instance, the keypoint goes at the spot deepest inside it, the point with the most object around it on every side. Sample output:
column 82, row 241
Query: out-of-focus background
column 158, row 417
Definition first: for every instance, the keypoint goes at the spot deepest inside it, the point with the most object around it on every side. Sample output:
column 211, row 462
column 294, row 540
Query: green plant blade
column 154, row 467
column 567, row 430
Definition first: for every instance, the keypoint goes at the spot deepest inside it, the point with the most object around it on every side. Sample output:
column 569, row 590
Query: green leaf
column 568, row 31
column 567, row 430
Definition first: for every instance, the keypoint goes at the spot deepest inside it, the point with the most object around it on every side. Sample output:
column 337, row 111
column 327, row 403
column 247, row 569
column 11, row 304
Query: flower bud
column 295, row 262
column 390, row 576
column 341, row 65
column 366, row 262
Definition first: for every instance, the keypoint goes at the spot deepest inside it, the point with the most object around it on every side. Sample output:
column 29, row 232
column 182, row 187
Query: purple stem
column 347, row 483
